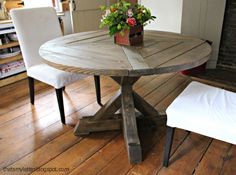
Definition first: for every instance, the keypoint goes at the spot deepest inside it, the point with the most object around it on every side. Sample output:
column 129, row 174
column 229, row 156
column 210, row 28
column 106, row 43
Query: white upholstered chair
column 205, row 110
column 35, row 26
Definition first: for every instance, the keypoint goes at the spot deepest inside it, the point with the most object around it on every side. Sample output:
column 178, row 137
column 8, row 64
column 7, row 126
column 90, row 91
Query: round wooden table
column 95, row 53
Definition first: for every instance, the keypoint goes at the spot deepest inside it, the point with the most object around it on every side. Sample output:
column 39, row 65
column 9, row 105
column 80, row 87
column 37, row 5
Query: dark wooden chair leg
column 98, row 89
column 60, row 104
column 31, row 89
column 169, row 140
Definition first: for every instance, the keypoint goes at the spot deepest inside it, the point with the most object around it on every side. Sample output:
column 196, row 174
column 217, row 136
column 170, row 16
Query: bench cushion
column 206, row 110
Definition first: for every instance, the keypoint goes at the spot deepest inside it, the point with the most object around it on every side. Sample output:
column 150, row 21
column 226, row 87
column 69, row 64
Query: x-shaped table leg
column 106, row 119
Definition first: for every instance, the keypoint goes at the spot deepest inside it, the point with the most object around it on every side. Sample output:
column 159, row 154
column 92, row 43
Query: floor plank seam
column 77, row 110
column 57, row 122
column 162, row 83
column 182, row 141
column 225, row 160
column 43, row 128
column 185, row 82
column 110, row 160
column 9, row 121
column 173, row 151
column 153, row 145
column 107, row 165
column 110, row 91
column 160, row 100
column 41, row 147
column 28, row 100
column 56, row 156
column 116, row 135
column 28, row 103
column 136, row 87
column 207, row 148
column 48, row 91
column 104, row 147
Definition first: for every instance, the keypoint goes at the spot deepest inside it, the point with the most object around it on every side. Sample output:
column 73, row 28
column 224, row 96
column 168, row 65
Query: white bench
column 202, row 109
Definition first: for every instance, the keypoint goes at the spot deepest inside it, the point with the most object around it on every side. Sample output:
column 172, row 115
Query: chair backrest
column 35, row 26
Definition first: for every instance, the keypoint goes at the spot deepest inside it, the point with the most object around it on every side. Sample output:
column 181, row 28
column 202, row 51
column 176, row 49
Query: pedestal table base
column 125, row 100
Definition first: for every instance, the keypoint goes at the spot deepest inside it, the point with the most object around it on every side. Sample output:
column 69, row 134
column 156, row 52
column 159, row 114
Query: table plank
column 135, row 59
column 200, row 53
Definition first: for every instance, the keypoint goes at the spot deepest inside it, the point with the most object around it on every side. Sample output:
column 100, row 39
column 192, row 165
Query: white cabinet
column 204, row 19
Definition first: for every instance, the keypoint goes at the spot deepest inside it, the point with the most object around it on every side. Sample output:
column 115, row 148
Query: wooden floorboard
column 153, row 162
column 32, row 136
column 229, row 162
column 214, row 159
column 185, row 159
column 101, row 159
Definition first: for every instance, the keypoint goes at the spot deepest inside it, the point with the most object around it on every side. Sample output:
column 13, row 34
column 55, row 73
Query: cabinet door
column 204, row 19
column 86, row 15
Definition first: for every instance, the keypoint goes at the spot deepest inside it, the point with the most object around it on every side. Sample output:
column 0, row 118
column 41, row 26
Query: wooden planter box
column 131, row 37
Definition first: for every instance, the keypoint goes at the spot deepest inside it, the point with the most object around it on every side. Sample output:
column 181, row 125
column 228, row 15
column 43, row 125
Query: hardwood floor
column 33, row 141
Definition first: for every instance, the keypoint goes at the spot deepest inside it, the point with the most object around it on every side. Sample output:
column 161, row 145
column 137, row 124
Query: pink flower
column 131, row 22
column 130, row 13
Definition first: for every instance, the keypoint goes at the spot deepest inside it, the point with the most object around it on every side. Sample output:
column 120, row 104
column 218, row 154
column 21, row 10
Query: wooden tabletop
column 95, row 53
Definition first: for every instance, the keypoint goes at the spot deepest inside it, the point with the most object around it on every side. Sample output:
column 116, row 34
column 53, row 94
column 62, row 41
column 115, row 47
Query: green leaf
column 103, row 7
column 119, row 27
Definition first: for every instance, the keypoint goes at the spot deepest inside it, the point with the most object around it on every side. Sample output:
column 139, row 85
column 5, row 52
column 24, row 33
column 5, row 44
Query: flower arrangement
column 123, row 15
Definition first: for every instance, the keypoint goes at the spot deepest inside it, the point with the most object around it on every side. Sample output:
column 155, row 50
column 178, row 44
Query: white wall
column 168, row 13
column 37, row 3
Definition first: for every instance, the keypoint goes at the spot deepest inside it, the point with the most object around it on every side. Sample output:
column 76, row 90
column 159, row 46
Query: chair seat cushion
column 206, row 110
column 54, row 77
